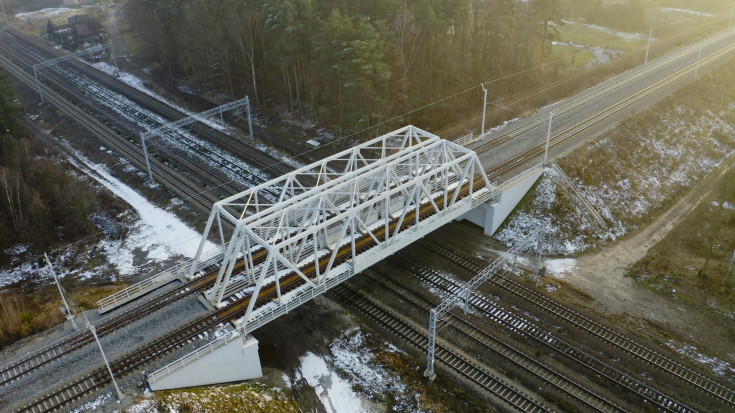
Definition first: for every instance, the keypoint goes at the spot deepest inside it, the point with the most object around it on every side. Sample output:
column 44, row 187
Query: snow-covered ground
column 603, row 55
column 154, row 236
column 48, row 13
column 560, row 267
column 628, row 37
column 352, row 365
column 20, row 272
column 624, row 185
column 718, row 366
column 558, row 237
column 685, row 11
column 137, row 83
column 159, row 234
column 103, row 399
column 334, row 392
column 238, row 172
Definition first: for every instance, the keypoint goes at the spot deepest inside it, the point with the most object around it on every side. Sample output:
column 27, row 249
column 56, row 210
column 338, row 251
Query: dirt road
column 603, row 275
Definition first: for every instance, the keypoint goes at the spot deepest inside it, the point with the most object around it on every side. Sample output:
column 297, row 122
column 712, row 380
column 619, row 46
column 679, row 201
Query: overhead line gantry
column 89, row 51
column 200, row 117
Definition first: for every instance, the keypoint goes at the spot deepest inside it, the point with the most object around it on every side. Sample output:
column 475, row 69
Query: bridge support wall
column 236, row 360
column 491, row 216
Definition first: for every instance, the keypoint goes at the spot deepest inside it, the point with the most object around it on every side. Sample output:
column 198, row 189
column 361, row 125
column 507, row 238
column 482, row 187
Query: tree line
column 349, row 64
column 41, row 204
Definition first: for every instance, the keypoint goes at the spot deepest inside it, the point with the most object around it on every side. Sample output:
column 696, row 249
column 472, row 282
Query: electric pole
column 484, row 108
column 69, row 314
column 648, row 48
column 696, row 71
column 145, row 153
column 107, row 363
column 548, row 138
column 250, row 117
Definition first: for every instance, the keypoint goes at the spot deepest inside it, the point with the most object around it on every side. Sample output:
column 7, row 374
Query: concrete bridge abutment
column 491, row 215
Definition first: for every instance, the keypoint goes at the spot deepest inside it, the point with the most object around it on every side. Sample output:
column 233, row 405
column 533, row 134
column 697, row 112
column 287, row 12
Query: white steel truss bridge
column 296, row 236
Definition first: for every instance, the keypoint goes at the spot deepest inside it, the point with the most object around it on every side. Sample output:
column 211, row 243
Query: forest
column 349, row 64
column 352, row 64
column 41, row 204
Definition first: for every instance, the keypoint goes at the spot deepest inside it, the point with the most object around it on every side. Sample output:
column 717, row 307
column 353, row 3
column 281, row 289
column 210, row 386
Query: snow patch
column 624, row 186
column 334, row 392
column 685, row 11
column 17, row 249
column 19, row 273
column 561, row 267
column 98, row 402
column 718, row 366
column 628, row 37
column 47, row 13
column 355, row 360
column 159, row 233
column 348, row 379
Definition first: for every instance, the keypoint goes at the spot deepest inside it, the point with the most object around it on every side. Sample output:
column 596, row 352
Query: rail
column 306, row 294
column 462, row 295
column 301, row 297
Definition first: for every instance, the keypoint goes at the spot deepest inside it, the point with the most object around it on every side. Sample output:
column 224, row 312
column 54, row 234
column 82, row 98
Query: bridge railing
column 164, row 277
column 496, row 190
column 521, row 176
column 465, row 140
column 302, row 296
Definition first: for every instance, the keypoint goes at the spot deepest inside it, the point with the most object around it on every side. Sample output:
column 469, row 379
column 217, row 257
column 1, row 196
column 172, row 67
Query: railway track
column 128, row 128
column 639, row 351
column 57, row 350
column 527, row 328
column 589, row 98
column 575, row 130
column 459, row 363
column 580, row 127
column 70, row 393
column 557, row 140
column 260, row 160
column 582, row 394
column 99, row 378
column 176, row 182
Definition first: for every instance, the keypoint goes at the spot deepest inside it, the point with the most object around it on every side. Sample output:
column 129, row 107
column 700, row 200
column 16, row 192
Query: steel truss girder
column 361, row 198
